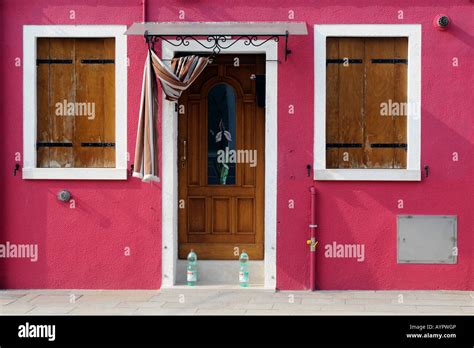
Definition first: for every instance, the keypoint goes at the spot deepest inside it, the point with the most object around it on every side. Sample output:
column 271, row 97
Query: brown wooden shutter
column 361, row 74
column 76, row 71
column 400, row 95
column 55, row 78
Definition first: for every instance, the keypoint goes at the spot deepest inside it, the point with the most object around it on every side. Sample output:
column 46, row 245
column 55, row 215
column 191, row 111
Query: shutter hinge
column 53, row 61
column 97, row 61
column 98, row 144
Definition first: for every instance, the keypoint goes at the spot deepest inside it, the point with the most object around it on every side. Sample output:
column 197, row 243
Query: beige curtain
column 174, row 80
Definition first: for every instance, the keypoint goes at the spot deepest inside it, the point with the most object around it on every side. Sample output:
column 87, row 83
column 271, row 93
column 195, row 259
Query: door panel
column 222, row 221
column 221, row 137
column 197, row 221
column 245, row 209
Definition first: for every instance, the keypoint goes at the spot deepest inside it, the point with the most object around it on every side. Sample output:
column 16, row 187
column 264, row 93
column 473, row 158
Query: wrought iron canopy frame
column 217, row 42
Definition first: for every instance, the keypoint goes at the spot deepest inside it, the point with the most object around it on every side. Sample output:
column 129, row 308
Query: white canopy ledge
column 218, row 28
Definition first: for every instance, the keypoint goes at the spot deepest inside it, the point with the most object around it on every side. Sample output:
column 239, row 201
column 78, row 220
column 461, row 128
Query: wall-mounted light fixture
column 441, row 22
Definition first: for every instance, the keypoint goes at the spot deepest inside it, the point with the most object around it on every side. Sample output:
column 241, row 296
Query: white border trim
column 413, row 32
column 170, row 162
column 30, row 34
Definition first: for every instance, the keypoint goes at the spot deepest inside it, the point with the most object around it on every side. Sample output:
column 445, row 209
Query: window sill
column 368, row 174
column 75, row 173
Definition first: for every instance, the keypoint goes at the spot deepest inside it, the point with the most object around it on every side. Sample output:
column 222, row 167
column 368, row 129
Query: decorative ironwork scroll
column 217, row 43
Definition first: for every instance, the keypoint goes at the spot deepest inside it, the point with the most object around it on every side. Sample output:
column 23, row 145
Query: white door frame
column 169, row 138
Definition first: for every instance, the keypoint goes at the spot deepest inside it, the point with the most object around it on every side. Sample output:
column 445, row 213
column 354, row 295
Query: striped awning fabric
column 174, row 80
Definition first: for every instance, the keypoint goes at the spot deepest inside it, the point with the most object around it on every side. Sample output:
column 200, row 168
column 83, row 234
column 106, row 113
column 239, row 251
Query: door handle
column 185, row 150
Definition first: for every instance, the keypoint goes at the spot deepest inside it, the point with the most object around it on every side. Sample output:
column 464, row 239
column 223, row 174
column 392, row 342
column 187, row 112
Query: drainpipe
column 144, row 10
column 313, row 242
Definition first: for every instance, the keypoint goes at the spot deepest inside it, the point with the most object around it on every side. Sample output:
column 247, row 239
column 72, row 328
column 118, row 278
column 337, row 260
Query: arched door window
column 221, row 135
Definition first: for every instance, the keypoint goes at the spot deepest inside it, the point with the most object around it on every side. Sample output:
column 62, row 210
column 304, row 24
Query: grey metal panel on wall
column 427, row 239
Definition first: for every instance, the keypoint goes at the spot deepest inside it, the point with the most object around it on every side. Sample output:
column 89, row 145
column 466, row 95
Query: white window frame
column 30, row 35
column 413, row 33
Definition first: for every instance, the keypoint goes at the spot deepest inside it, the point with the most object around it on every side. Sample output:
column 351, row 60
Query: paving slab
column 141, row 304
column 388, row 308
column 235, row 300
column 323, row 301
column 469, row 310
column 297, row 307
column 439, row 309
column 41, row 310
column 250, row 306
column 16, row 309
column 53, row 299
column 102, row 311
column 165, row 311
column 342, row 308
column 222, row 311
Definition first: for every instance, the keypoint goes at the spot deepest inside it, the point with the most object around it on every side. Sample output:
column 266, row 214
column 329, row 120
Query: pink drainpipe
column 312, row 242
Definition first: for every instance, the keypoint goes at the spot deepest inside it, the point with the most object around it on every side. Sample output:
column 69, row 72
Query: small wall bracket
column 287, row 50
column 16, row 168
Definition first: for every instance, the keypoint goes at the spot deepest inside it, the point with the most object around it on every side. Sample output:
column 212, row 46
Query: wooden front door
column 221, row 137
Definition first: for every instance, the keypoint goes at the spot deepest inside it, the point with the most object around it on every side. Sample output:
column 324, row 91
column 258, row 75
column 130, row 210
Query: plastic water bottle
column 192, row 268
column 244, row 269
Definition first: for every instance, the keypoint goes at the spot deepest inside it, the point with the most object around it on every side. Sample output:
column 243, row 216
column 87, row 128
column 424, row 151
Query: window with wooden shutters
column 74, row 102
column 364, row 78
column 367, row 125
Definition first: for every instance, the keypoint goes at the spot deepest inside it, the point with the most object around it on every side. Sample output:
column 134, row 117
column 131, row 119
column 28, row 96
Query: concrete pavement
column 234, row 301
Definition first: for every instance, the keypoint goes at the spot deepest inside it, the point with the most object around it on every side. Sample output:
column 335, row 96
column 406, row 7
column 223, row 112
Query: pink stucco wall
column 84, row 247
